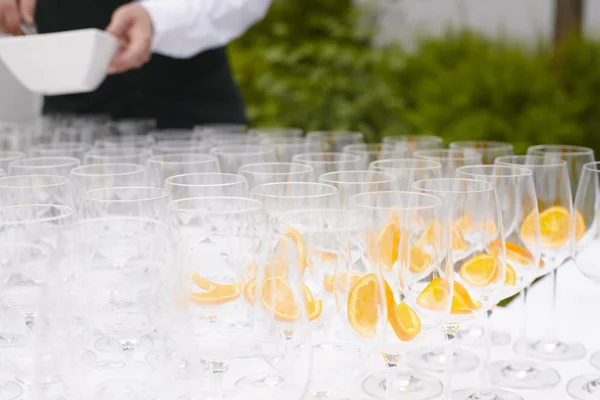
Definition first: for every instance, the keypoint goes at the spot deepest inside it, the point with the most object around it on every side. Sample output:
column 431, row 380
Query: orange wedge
column 554, row 227
column 465, row 223
column 329, row 282
column 363, row 306
column 314, row 310
column 419, row 260
column 511, row 276
column 428, row 237
column 404, row 320
column 203, row 283
column 388, row 242
column 480, row 270
column 219, row 295
column 434, row 296
column 514, row 253
column 293, row 234
column 326, row 256
column 249, row 290
column 489, row 227
column 278, row 297
column 462, row 303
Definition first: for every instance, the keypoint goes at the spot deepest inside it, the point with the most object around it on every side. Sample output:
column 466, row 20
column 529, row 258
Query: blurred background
column 524, row 71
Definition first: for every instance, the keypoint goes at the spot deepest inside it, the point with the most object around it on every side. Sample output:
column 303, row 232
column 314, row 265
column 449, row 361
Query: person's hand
column 132, row 26
column 13, row 12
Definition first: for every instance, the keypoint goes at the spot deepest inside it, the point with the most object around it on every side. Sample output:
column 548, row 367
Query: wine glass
column 489, row 149
column 478, row 254
column 133, row 126
column 515, row 188
column 108, row 142
column 41, row 165
column 371, row 152
column 334, row 141
column 276, row 132
column 408, row 170
column 344, row 288
column 329, row 162
column 450, row 159
column 287, row 147
column 231, row 158
column 7, row 157
column 209, row 131
column 144, row 202
column 350, row 183
column 117, row 155
column 35, row 189
column 162, row 167
column 217, row 239
column 553, row 191
column 284, row 196
column 161, row 136
column 394, row 248
column 587, row 209
column 262, row 173
column 60, row 149
column 180, row 147
column 207, row 185
column 408, row 144
column 99, row 176
column 217, row 137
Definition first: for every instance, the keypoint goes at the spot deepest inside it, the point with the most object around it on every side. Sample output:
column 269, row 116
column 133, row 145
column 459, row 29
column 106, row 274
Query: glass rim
column 78, row 170
column 488, row 187
column 124, row 139
column 438, row 202
column 493, row 144
column 434, row 164
column 170, row 182
column 364, row 147
column 520, row 171
column 66, row 161
column 416, row 138
column 66, row 212
column 255, row 150
column 118, row 151
column 89, row 221
column 68, row 145
column 446, row 154
column 201, row 158
column 308, row 168
column 271, row 129
column 174, row 132
column 253, row 205
column 163, row 194
column 593, row 166
column 389, row 177
column 577, row 150
column 351, row 157
column 333, row 189
column 283, row 215
column 6, row 155
column 59, row 181
column 334, row 132
column 501, row 161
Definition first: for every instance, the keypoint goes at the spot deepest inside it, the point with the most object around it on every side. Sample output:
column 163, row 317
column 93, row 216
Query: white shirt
column 184, row 28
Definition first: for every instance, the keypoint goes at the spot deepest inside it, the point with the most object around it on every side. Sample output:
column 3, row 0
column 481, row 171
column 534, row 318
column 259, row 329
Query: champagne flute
column 553, row 191
column 207, row 185
column 350, row 183
column 489, row 149
column 408, row 170
column 262, row 173
column 515, row 188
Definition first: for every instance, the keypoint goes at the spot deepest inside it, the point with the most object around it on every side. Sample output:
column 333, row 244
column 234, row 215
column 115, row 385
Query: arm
column 184, row 28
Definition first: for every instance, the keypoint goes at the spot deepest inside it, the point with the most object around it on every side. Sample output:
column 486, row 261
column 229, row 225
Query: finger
column 136, row 54
column 27, row 11
column 120, row 23
column 12, row 19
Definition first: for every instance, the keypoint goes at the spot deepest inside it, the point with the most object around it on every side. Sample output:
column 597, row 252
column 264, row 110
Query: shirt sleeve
column 184, row 28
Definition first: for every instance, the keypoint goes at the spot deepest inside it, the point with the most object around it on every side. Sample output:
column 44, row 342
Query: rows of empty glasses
column 225, row 262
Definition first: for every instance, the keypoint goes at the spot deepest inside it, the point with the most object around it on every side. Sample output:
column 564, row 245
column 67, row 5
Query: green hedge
column 309, row 65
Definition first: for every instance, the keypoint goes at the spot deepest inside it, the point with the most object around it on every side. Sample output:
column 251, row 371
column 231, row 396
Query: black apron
column 178, row 93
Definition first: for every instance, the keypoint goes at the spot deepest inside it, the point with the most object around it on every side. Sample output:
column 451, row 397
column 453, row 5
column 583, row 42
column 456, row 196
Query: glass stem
column 525, row 313
column 218, row 370
column 450, row 332
column 390, row 383
column 486, row 377
column 551, row 329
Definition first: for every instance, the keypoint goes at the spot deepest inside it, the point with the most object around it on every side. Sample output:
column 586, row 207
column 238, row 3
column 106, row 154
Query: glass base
column 550, row 350
column 272, row 383
column 434, row 360
column 409, row 386
column 122, row 389
column 110, row 345
column 494, row 394
column 586, row 387
column 595, row 360
column 13, row 340
column 522, row 374
column 10, row 391
column 473, row 337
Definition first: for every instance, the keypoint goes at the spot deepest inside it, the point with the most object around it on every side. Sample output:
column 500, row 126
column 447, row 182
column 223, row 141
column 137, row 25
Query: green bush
column 309, row 64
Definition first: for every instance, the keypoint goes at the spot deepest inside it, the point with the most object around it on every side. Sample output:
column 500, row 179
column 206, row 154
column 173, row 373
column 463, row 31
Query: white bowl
column 59, row 63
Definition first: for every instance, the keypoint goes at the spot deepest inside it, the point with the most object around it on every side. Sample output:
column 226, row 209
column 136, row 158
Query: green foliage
column 309, row 64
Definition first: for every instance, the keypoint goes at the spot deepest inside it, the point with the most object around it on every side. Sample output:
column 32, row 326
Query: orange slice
column 462, row 303
column 419, row 260
column 388, row 242
column 363, row 306
column 221, row 294
column 329, row 282
column 435, row 295
column 428, row 237
column 203, row 283
column 404, row 320
column 511, row 276
column 554, row 227
column 465, row 223
column 480, row 270
column 514, row 253
column 278, row 297
column 314, row 310
column 249, row 290
column 293, row 234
